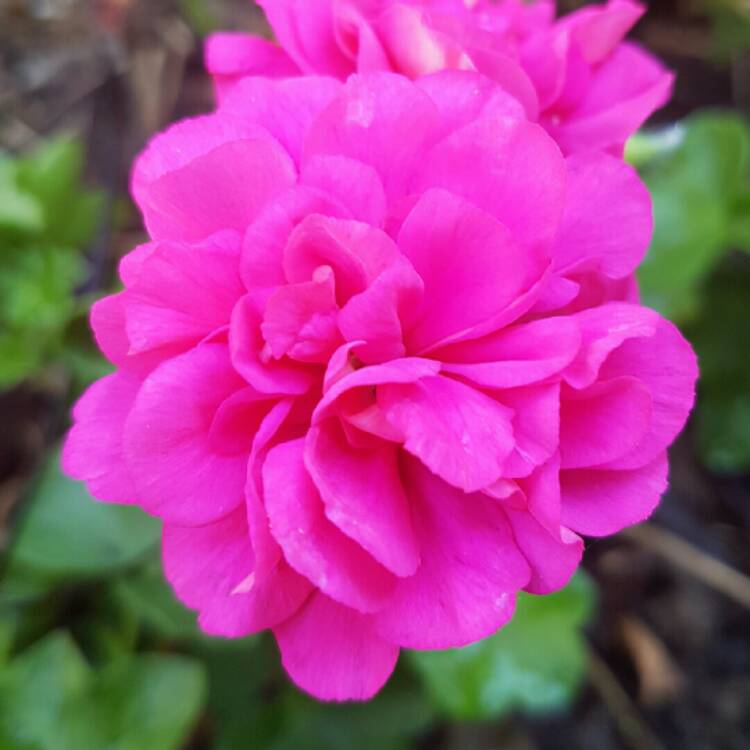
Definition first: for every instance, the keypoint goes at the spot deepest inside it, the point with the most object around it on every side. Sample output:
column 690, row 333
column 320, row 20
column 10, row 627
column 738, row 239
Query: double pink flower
column 380, row 365
column 576, row 76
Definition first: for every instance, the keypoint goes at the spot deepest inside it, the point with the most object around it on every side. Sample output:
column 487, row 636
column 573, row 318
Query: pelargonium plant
column 380, row 367
column 576, row 75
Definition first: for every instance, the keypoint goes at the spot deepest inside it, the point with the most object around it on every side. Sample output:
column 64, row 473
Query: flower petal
column 331, row 651
column 601, row 502
column 93, row 448
column 459, row 433
column 167, row 444
column 471, row 568
column 363, row 496
column 472, row 269
column 312, row 545
column 211, row 569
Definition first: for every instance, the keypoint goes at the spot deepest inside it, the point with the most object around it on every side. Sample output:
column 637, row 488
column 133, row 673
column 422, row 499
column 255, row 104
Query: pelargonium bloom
column 376, row 370
column 589, row 88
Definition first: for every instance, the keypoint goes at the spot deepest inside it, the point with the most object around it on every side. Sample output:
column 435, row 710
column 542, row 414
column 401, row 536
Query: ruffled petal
column 471, row 568
column 92, row 451
column 601, row 502
column 312, row 545
column 211, row 569
column 363, row 496
column 331, row 652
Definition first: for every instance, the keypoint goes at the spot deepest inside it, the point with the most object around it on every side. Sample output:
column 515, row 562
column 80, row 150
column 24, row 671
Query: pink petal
column 471, row 267
column 92, row 451
column 406, row 370
column 603, row 330
column 601, row 502
column 284, row 107
column 208, row 174
column 253, row 363
column 608, row 218
column 598, row 30
column 363, row 496
column 211, row 569
column 306, row 31
column 230, row 56
column 182, row 294
column 471, row 568
column 300, row 319
column 382, row 120
column 536, row 426
column 459, row 433
column 109, row 326
column 351, row 184
column 624, row 92
column 167, row 439
column 510, row 168
column 553, row 558
column 414, row 47
column 603, row 422
column 464, row 96
column 356, row 252
column 666, row 365
column 379, row 314
column 331, row 652
column 261, row 265
column 516, row 356
column 265, row 548
column 312, row 545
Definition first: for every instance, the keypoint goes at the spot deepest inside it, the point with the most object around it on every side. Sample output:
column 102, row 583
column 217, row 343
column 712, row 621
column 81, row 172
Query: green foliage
column 720, row 339
column 51, row 699
column 65, row 533
column 148, row 596
column 200, row 15
column 731, row 27
column 699, row 178
column 534, row 663
column 45, row 221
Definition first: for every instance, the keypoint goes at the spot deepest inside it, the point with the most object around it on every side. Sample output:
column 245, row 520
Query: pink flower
column 361, row 377
column 576, row 76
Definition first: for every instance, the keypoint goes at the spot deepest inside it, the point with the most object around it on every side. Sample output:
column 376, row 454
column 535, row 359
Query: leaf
column 720, row 339
column 390, row 721
column 37, row 300
column 52, row 174
column 36, row 689
column 64, row 532
column 150, row 702
column 146, row 594
column 698, row 187
column 534, row 663
column 20, row 213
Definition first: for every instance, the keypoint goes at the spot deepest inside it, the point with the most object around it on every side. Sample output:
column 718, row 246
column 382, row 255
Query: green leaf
column 36, row 690
column 37, row 300
column 696, row 187
column 535, row 663
column 52, row 174
column 65, row 532
column 150, row 702
column 20, row 213
column 390, row 721
column 720, row 340
column 146, row 594
column 200, row 15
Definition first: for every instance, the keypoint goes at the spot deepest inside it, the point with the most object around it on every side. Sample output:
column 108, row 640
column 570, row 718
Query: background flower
column 590, row 89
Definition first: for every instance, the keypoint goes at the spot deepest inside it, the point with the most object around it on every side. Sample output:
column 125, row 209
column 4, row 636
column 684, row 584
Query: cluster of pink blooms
column 383, row 361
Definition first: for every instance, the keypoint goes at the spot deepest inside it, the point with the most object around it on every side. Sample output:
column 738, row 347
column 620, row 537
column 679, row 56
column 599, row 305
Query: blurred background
column 648, row 649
